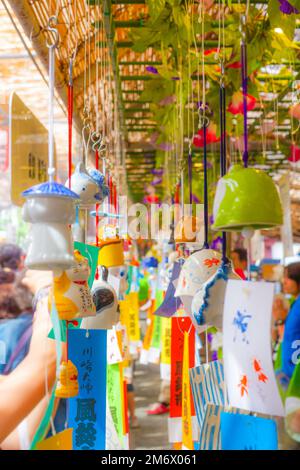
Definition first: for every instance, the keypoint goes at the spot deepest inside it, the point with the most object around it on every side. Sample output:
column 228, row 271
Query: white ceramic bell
column 50, row 208
column 197, row 269
column 89, row 185
column 208, row 303
column 106, row 302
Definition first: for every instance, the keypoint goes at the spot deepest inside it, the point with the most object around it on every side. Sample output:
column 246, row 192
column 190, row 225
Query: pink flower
column 211, row 136
column 168, row 100
column 295, row 154
column 294, row 111
column 236, row 105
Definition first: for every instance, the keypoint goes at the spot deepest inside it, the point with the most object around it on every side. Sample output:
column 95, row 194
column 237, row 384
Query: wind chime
column 236, row 206
column 50, row 206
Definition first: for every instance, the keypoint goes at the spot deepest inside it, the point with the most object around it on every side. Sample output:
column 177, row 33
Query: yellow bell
column 111, row 253
column 67, row 385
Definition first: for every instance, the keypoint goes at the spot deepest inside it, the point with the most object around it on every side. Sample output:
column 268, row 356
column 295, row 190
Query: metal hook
column 52, row 23
column 86, row 126
column 98, row 144
column 203, row 118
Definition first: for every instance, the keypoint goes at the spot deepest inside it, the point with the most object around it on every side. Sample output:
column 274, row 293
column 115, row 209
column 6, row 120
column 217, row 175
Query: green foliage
column 155, row 8
column 279, row 20
column 172, row 31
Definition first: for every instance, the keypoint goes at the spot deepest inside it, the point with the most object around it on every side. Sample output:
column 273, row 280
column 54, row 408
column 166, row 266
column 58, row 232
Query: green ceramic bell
column 246, row 198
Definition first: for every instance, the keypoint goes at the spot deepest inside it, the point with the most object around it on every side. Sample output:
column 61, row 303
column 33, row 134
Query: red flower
column 234, row 65
column 211, row 51
column 295, row 154
column 152, row 199
column 236, row 105
column 211, row 136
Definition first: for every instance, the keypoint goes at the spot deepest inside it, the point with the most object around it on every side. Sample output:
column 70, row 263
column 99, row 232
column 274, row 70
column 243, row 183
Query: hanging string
column 51, row 46
column 223, row 147
column 245, row 90
column 70, row 119
column 203, row 123
column 205, row 245
column 190, row 176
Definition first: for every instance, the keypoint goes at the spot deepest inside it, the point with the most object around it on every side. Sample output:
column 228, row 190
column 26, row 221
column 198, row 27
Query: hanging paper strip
column 124, row 311
column 133, row 321
column 179, row 326
column 87, row 411
column 208, row 386
column 242, row 432
column 155, row 348
column 144, row 358
column 114, row 394
column 248, row 366
column 187, row 439
column 61, row 441
column 170, row 303
column 112, row 441
column 210, row 432
column 125, row 415
column 114, row 354
column 44, row 425
column 165, row 363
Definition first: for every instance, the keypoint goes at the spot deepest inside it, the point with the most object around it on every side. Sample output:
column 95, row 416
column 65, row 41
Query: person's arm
column 24, row 388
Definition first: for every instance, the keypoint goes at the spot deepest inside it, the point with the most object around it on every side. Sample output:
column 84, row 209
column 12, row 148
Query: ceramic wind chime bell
column 89, row 184
column 67, row 385
column 197, row 269
column 106, row 303
column 72, row 295
column 50, row 208
column 246, row 198
column 208, row 302
column 111, row 251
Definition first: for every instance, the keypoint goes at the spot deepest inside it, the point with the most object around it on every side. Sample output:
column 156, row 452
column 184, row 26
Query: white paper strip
column 248, row 367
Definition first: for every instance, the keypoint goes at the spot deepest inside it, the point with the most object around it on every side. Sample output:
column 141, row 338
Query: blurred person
column 240, row 261
column 22, row 391
column 162, row 405
column 15, row 321
column 21, row 413
column 291, row 286
column 11, row 257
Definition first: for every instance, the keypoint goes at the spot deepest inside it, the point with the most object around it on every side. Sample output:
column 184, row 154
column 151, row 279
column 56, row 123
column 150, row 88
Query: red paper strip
column 179, row 326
